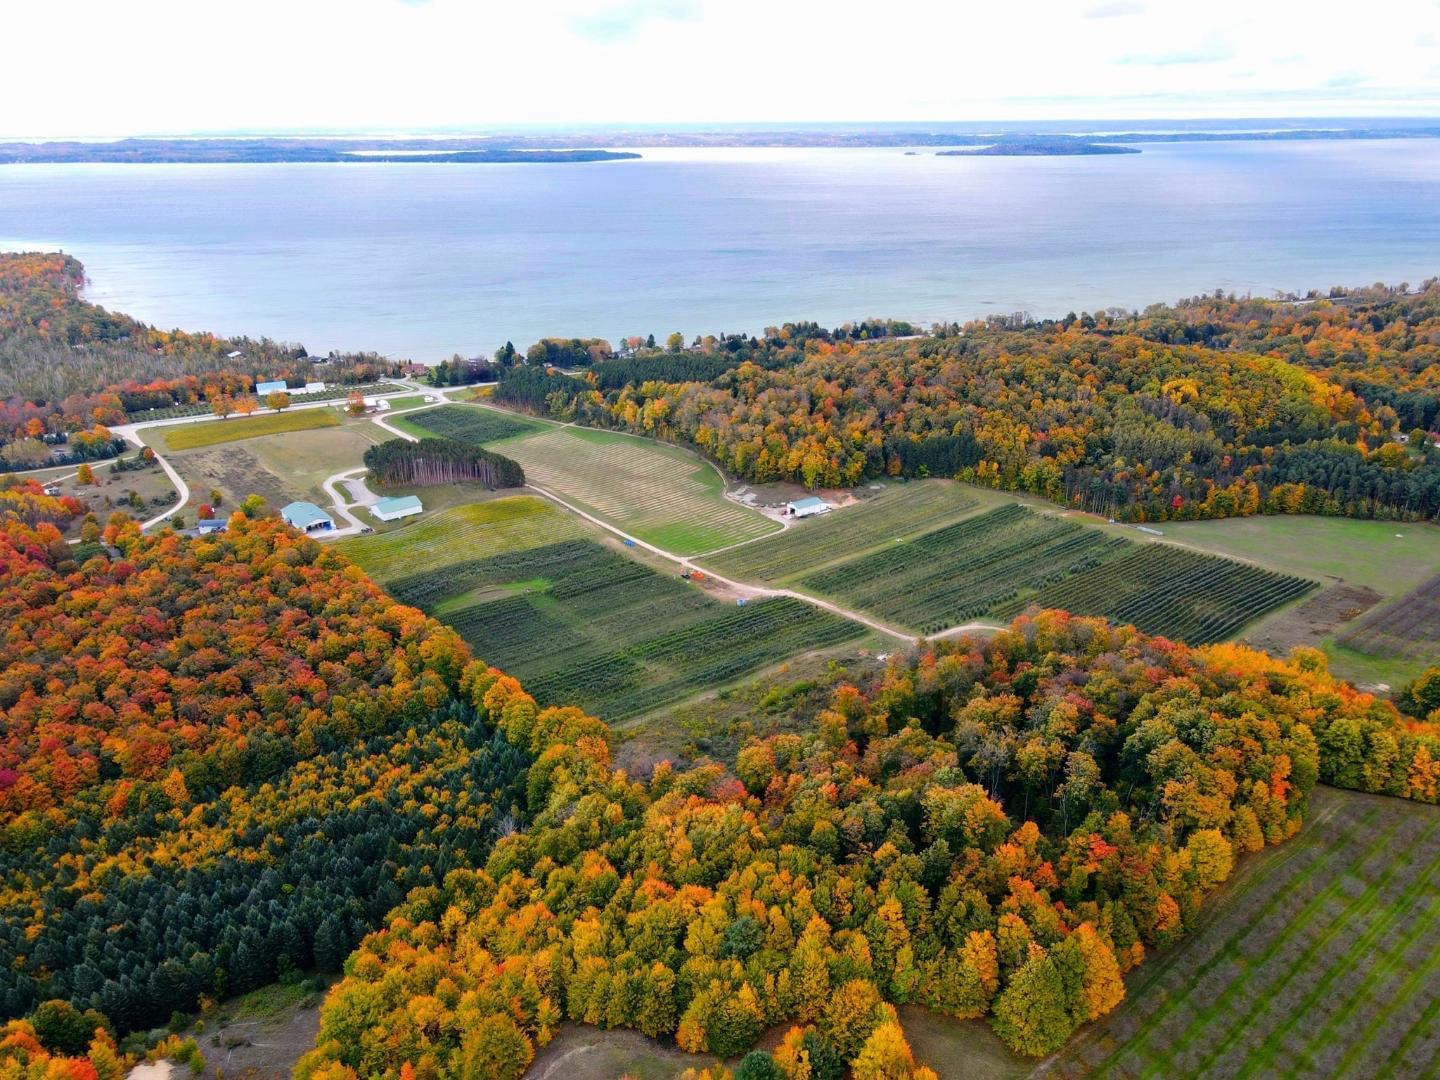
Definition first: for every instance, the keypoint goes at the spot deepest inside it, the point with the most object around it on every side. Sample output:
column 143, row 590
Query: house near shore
column 803, row 508
column 395, row 509
column 306, row 516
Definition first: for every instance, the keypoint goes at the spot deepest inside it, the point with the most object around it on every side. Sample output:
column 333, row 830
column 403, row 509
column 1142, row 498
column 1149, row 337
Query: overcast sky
column 116, row 67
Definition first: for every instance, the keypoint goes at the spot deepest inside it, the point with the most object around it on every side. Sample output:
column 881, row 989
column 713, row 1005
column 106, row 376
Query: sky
column 102, row 68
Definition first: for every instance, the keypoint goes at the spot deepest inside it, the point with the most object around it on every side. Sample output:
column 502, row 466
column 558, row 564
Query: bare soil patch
column 259, row 1036
column 581, row 1052
column 1312, row 621
column 236, row 472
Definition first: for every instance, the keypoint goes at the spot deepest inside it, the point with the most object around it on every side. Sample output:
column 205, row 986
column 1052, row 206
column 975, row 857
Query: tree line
column 440, row 461
column 1211, row 408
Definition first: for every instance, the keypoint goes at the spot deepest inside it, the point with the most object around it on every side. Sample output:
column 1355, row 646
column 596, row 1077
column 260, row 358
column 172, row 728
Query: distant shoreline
column 1042, row 148
column 588, row 146
column 176, row 152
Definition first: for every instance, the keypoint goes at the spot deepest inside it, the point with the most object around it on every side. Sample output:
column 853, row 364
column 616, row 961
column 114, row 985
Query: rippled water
column 427, row 260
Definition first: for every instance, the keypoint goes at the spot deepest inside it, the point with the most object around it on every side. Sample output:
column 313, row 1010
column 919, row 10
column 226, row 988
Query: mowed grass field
column 657, row 493
column 194, row 436
column 435, row 543
column 1317, row 960
column 281, row 467
column 577, row 621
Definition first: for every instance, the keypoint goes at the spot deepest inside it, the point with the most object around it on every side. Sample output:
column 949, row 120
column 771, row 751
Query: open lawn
column 900, row 511
column 660, row 494
column 194, row 436
column 1317, row 960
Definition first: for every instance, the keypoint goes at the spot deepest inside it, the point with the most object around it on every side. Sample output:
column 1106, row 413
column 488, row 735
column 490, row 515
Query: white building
column 394, row 509
column 803, row 508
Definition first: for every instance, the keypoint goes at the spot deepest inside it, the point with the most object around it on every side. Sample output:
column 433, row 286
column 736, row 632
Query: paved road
column 331, row 484
column 129, row 432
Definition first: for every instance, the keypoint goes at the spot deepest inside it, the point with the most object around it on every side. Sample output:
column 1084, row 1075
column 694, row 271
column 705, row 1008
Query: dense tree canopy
column 223, row 758
column 990, row 828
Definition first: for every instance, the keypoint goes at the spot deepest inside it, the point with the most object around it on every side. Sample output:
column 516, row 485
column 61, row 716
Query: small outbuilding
column 274, row 386
column 211, row 525
column 394, row 509
column 803, row 508
column 306, row 516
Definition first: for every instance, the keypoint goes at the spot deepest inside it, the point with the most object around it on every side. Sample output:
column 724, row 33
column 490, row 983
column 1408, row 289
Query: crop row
column 673, row 665
column 1408, row 629
column 569, row 559
column 471, row 424
column 960, row 572
column 1168, row 590
column 202, row 408
column 899, row 511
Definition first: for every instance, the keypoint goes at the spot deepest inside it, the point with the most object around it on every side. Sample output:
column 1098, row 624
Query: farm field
column 1163, row 589
column 963, row 571
column 467, row 423
column 1316, row 960
column 1408, row 629
column 657, row 493
column 195, row 436
column 281, row 468
column 1372, row 565
column 581, row 624
column 899, row 511
column 435, row 543
column 577, row 621
column 997, row 563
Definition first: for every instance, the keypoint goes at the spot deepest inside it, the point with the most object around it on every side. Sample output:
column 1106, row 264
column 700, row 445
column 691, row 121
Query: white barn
column 803, row 508
column 394, row 509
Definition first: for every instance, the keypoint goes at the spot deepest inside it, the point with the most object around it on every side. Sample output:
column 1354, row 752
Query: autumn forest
column 232, row 758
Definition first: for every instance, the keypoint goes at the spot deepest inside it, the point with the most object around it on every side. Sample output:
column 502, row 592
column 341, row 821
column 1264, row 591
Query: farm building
column 394, row 509
column 306, row 516
column 210, row 525
column 270, row 387
column 312, row 388
column 802, row 508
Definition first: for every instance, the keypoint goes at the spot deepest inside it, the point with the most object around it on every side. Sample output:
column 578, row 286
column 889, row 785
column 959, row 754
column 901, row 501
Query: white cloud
column 111, row 67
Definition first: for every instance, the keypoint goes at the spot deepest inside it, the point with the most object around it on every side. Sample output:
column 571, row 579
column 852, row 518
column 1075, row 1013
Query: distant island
column 1040, row 148
column 1028, row 139
column 271, row 151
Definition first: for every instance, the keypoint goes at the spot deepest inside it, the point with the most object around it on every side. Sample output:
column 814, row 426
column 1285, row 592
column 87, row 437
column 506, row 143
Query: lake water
column 423, row 261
